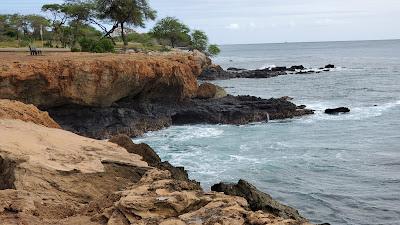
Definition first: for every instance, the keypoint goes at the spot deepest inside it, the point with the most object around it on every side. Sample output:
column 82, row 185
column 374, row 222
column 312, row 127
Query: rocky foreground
column 101, row 95
column 51, row 176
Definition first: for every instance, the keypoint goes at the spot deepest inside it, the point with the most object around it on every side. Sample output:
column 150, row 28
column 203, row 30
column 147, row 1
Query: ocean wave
column 356, row 113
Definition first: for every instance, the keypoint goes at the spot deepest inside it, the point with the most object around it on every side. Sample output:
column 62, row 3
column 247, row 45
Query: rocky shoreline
column 49, row 175
column 216, row 72
column 102, row 95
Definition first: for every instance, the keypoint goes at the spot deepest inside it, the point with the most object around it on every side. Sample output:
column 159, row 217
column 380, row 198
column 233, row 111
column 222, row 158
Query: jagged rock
column 99, row 79
column 208, row 90
column 144, row 150
column 258, row 200
column 50, row 176
column 28, row 113
column 215, row 72
column 133, row 118
column 299, row 67
column 337, row 110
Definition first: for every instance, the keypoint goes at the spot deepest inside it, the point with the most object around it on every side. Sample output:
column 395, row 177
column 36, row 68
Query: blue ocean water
column 341, row 169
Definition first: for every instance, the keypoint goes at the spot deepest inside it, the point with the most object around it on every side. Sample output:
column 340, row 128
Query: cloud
column 233, row 26
column 252, row 25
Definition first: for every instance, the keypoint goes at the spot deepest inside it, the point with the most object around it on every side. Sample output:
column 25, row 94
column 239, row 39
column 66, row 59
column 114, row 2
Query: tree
column 213, row 50
column 171, row 29
column 199, row 40
column 124, row 13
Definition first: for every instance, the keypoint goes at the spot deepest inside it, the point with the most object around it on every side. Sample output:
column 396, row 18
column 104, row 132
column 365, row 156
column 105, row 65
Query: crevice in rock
column 7, row 177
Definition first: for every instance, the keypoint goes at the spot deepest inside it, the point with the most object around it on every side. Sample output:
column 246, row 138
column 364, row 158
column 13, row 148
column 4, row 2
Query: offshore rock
column 217, row 73
column 337, row 110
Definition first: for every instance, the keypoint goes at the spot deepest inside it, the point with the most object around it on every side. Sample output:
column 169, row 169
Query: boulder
column 208, row 90
column 258, row 200
column 329, row 66
column 234, row 69
column 337, row 110
column 29, row 113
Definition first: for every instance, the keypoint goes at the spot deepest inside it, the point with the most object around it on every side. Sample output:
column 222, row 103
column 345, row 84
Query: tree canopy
column 171, row 29
column 199, row 40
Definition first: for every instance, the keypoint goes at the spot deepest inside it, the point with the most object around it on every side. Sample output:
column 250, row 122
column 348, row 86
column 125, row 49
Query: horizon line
column 298, row 42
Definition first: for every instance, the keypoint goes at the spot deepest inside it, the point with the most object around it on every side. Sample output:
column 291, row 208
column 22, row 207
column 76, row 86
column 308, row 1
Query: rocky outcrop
column 28, row 113
column 208, row 90
column 258, row 200
column 134, row 118
column 337, row 110
column 214, row 72
column 99, row 79
column 51, row 176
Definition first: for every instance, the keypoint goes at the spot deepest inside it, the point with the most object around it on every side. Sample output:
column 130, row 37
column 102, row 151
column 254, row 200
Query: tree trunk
column 173, row 42
column 124, row 38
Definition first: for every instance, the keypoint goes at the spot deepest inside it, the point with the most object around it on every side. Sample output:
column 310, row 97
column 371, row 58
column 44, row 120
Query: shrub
column 98, row 46
column 213, row 50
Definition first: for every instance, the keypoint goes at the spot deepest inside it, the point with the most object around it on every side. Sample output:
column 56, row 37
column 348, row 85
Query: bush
column 213, row 50
column 98, row 46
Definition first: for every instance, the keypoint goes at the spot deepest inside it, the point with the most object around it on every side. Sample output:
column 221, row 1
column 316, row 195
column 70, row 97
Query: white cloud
column 252, row 25
column 233, row 26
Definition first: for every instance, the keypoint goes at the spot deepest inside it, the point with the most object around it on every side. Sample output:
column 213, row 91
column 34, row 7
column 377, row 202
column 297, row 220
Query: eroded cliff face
column 98, row 79
column 51, row 176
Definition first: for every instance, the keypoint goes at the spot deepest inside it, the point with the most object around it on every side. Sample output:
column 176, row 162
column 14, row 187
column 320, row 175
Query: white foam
column 356, row 113
column 267, row 66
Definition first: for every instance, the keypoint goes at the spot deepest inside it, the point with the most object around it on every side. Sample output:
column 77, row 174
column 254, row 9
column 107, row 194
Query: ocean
column 339, row 169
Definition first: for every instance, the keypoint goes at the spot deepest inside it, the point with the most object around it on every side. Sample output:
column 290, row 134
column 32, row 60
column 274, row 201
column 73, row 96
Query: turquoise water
column 339, row 169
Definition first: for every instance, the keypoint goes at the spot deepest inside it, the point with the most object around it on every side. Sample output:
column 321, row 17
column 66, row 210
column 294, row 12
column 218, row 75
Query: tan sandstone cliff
column 98, row 79
column 50, row 176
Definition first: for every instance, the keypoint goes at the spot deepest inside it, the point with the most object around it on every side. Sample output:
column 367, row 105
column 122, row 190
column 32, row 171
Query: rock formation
column 215, row 72
column 208, row 90
column 28, row 113
column 53, row 177
column 98, row 79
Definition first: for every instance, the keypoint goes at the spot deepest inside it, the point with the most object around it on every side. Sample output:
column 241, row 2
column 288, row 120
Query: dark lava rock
column 329, row 66
column 134, row 117
column 337, row 110
column 151, row 157
column 215, row 72
column 235, row 69
column 301, row 107
column 299, row 67
column 258, row 200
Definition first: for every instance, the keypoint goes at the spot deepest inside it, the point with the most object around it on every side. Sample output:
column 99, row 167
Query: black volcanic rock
column 217, row 73
column 329, row 66
column 133, row 117
column 337, row 110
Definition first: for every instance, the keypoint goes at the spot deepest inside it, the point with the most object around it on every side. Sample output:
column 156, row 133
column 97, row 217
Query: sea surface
column 342, row 169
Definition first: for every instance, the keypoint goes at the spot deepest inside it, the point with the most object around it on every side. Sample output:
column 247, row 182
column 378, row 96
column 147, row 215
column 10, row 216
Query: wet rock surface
column 337, row 110
column 134, row 118
column 215, row 72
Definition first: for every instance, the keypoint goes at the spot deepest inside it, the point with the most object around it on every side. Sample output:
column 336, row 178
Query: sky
column 270, row 21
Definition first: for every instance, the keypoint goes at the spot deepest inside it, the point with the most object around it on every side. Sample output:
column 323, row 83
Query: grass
column 142, row 47
column 18, row 44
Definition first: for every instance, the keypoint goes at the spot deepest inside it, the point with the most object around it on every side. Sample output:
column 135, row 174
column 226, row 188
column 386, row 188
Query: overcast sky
column 265, row 21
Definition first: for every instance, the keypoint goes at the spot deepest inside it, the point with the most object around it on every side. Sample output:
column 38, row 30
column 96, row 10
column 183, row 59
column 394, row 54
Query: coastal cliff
column 102, row 95
column 99, row 79
column 52, row 176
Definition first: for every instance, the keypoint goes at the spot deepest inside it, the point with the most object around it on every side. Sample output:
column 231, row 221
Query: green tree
column 199, row 40
column 213, row 50
column 124, row 13
column 171, row 29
